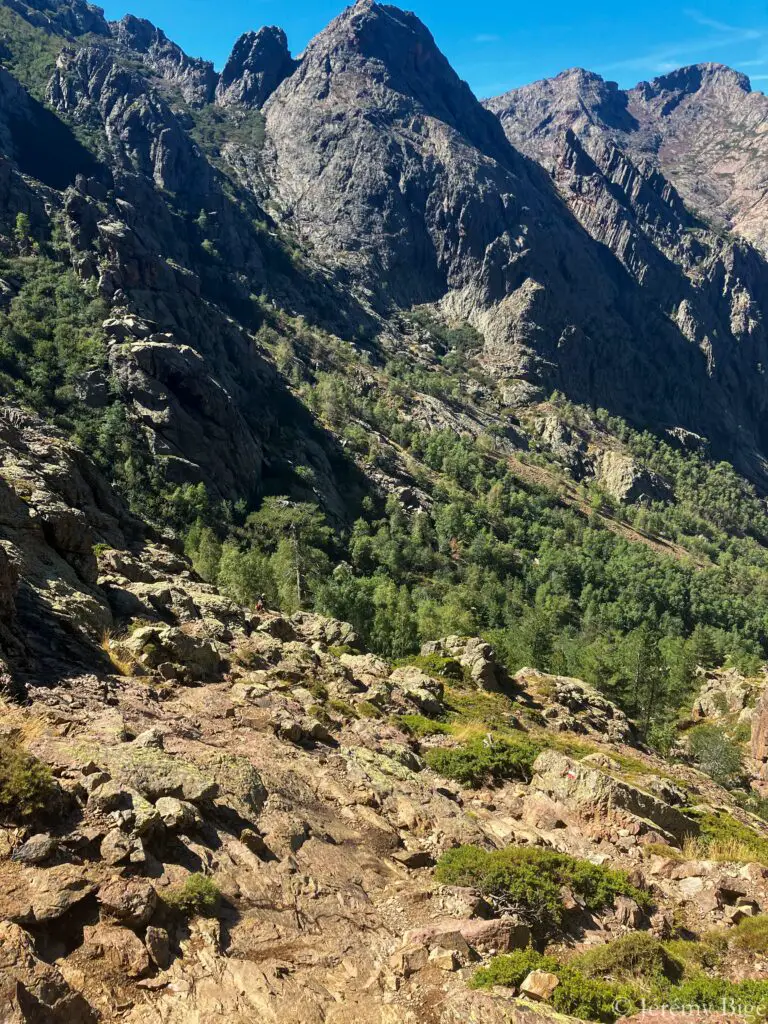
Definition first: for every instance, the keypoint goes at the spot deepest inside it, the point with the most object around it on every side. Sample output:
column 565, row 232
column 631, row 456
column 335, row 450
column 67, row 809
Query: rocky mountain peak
column 378, row 46
column 575, row 98
column 693, row 79
column 195, row 78
column 66, row 17
column 259, row 62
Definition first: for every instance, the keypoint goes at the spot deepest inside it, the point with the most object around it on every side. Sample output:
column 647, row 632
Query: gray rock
column 36, row 850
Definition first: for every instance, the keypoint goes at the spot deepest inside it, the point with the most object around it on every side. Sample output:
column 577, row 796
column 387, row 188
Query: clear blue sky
column 498, row 44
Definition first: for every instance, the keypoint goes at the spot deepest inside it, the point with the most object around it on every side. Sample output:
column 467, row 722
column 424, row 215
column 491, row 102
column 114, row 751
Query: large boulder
column 412, row 688
column 154, row 646
column 474, row 655
column 591, row 795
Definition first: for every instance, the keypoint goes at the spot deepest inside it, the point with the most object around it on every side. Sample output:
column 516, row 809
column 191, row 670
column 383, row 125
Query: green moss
column 342, row 707
column 340, row 649
column 366, row 709
column 434, row 665
column 483, row 761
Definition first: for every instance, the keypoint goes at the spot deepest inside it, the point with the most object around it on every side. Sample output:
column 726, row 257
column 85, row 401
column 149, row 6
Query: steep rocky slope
column 190, row 738
column 336, row 282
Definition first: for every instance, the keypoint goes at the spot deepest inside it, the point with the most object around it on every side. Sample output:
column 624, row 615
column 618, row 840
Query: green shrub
column 577, row 995
column 420, row 725
column 593, row 998
column 479, row 762
column 512, row 968
column 631, row 957
column 708, row 991
column 529, row 881
column 751, row 934
column 716, row 754
column 26, row 784
column 434, row 665
column 698, row 956
column 198, row 895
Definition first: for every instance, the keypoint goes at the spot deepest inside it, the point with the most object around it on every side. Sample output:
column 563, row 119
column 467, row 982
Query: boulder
column 118, row 848
column 37, row 850
column 501, row 934
column 41, row 895
column 411, row 686
column 153, row 646
column 589, row 794
column 473, row 654
column 540, row 985
column 122, row 950
column 177, row 815
column 331, row 632
column 131, row 901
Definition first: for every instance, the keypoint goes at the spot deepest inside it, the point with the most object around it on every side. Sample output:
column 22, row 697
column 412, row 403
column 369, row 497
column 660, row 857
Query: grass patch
column 724, row 838
column 529, row 881
column 751, row 934
column 492, row 710
column 199, row 895
column 483, row 761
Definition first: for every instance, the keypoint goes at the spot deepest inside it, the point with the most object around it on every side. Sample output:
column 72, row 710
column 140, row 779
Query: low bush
column 482, row 761
column 751, row 934
column 577, row 995
column 529, row 881
column 511, row 969
column 632, row 957
column 26, row 784
column 198, row 895
column 420, row 726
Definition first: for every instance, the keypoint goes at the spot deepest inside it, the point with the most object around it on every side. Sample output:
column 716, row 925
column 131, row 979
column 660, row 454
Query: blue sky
column 498, row 44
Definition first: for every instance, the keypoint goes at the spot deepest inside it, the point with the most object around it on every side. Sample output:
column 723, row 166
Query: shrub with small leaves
column 26, row 784
column 529, row 881
column 198, row 895
column 483, row 761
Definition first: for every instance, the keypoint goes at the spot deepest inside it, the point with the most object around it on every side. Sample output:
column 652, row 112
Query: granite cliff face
column 383, row 161
column 702, row 126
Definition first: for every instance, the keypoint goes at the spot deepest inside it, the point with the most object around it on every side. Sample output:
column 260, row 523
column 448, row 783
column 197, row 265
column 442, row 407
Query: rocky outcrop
column 195, row 79
column 63, row 17
column 702, row 116
column 594, row 797
column 259, row 62
column 143, row 135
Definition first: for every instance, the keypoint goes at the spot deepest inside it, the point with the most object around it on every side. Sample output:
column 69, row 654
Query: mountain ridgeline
column 360, row 342
column 383, row 534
